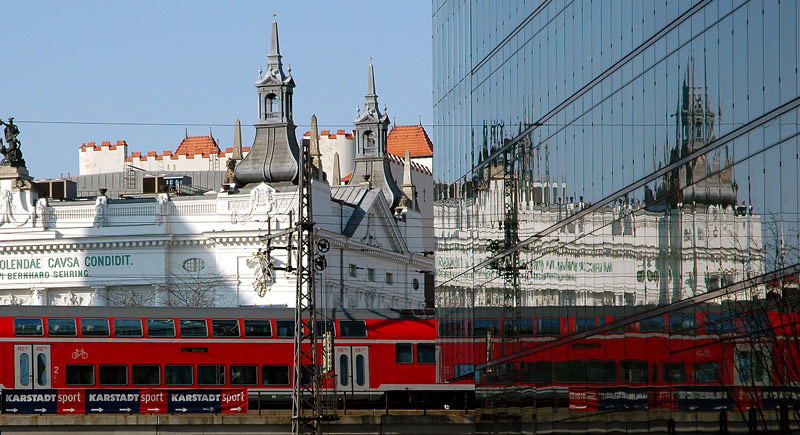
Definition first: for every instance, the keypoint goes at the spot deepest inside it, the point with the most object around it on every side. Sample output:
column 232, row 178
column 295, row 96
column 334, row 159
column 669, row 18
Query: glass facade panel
column 624, row 167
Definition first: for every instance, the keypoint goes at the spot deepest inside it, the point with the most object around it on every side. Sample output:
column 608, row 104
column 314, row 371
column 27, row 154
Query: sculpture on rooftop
column 12, row 155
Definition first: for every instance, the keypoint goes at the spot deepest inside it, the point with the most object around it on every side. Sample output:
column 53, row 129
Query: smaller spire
column 314, row 148
column 274, row 47
column 409, row 190
column 337, row 172
column 237, row 141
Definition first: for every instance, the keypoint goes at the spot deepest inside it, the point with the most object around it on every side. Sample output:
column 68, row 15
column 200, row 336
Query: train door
column 352, row 368
column 32, row 366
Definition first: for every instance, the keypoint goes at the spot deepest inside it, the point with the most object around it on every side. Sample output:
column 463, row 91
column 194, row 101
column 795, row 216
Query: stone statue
column 12, row 153
column 230, row 173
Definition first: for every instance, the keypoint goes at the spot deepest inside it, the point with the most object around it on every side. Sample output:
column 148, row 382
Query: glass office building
column 617, row 210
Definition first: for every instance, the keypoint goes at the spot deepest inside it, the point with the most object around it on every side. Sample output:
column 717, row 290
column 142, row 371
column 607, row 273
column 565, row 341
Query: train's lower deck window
column 112, row 374
column 244, row 375
column 275, row 375
column 79, row 374
column 178, row 375
column 211, row 374
column 145, row 374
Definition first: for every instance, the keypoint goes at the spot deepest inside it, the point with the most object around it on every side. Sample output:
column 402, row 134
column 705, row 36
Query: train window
column 538, row 372
column 751, row 366
column 344, row 368
column 353, row 328
column 285, row 328
column 95, row 328
column 62, row 327
column 451, row 328
column 275, row 375
column 481, row 327
column 673, row 372
column 112, row 374
column 41, row 369
column 225, row 327
column 325, row 325
column 193, row 328
column 404, row 353
column 360, row 370
column 210, row 374
column 653, row 324
column 79, row 374
column 549, row 326
column 244, row 375
column 426, row 353
column 128, row 327
column 145, row 374
column 464, row 369
column 518, row 327
column 28, row 327
column 601, row 372
column 706, row 371
column 178, row 374
column 628, row 327
column 161, row 327
column 257, row 328
column 584, row 324
column 633, row 371
column 570, row 371
column 682, row 324
column 756, row 324
column 720, row 323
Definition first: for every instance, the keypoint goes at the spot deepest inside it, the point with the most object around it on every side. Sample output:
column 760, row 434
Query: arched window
column 369, row 145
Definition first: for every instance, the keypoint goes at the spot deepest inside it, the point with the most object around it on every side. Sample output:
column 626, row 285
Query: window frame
column 278, row 328
column 235, row 321
column 343, row 327
column 264, row 321
column 74, row 327
column 116, row 334
column 397, row 353
column 102, row 319
column 181, row 326
column 149, row 334
column 135, row 366
column 39, row 327
column 66, row 375
column 100, row 369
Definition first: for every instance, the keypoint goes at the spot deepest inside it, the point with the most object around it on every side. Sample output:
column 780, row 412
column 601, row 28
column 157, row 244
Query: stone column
column 99, row 296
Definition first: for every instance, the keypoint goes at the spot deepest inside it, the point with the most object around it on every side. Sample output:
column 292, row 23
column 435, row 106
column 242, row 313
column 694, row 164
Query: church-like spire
column 237, row 141
column 274, row 154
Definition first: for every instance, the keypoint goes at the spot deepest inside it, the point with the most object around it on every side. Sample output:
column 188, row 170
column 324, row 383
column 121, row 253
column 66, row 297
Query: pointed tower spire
column 371, row 159
column 409, row 190
column 237, row 141
column 316, row 160
column 274, row 154
column 337, row 173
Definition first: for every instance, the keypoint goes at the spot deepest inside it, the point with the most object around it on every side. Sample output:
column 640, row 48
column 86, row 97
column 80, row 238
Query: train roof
column 189, row 312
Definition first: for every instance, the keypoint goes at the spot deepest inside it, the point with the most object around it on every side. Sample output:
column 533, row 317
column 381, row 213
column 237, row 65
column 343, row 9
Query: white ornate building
column 198, row 250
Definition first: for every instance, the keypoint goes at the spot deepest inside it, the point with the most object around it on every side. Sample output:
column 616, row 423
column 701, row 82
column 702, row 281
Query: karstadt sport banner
column 124, row 401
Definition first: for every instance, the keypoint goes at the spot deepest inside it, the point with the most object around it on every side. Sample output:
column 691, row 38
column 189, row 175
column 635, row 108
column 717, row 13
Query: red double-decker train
column 375, row 352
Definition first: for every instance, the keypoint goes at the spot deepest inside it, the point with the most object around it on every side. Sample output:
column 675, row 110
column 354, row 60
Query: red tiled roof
column 197, row 145
column 347, row 178
column 409, row 137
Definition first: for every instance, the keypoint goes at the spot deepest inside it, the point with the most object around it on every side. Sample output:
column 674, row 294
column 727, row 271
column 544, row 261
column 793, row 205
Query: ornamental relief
column 259, row 206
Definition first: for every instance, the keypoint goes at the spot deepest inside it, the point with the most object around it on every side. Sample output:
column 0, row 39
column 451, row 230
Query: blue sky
column 195, row 63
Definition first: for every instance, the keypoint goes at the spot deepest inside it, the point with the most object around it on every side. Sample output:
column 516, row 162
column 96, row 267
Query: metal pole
column 305, row 396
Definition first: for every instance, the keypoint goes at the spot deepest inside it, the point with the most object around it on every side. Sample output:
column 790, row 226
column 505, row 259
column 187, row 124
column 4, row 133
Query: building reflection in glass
column 591, row 176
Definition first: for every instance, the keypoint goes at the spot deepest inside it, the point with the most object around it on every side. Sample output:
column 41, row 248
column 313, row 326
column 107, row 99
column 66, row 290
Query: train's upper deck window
column 285, row 328
column 225, row 327
column 324, row 326
column 549, row 326
column 61, row 327
column 28, row 327
column 95, row 328
column 257, row 328
column 193, row 328
column 128, row 327
column 161, row 327
column 518, row 327
column 353, row 328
